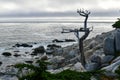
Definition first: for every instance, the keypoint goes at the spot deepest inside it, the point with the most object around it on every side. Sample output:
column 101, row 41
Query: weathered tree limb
column 85, row 14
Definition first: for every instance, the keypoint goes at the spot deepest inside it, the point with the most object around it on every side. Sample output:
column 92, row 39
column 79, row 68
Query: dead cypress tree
column 86, row 31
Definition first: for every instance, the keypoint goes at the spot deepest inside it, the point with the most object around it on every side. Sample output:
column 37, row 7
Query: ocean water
column 44, row 33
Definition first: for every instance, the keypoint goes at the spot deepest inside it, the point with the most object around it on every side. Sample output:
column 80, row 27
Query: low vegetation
column 116, row 24
column 38, row 72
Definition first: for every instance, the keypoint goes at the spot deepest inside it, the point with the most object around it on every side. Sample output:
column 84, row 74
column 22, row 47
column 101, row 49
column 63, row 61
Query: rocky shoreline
column 100, row 53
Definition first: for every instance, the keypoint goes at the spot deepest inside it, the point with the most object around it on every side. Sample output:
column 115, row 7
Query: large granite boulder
column 78, row 67
column 112, row 67
column 108, row 46
column 107, row 59
column 95, row 59
column 117, row 40
column 92, row 66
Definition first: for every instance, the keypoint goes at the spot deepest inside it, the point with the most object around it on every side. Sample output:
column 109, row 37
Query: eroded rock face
column 109, row 47
column 117, row 40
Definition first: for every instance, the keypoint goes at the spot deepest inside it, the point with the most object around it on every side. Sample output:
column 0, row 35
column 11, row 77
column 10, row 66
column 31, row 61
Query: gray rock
column 57, row 61
column 107, row 59
column 49, row 51
column 72, row 53
column 92, row 44
column 112, row 67
column 44, row 57
column 95, row 59
column 78, row 67
column 8, row 77
column 104, row 65
column 99, row 53
column 92, row 66
column 116, row 59
column 117, row 40
column 58, row 52
column 74, row 60
column 39, row 49
column 108, row 46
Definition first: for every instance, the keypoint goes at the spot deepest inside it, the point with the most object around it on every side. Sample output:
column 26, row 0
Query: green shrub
column 116, row 24
column 39, row 73
column 118, row 72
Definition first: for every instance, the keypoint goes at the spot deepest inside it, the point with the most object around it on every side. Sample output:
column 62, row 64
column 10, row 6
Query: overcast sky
column 57, row 8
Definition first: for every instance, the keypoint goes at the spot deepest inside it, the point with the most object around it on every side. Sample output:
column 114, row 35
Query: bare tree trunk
column 76, row 32
column 82, row 58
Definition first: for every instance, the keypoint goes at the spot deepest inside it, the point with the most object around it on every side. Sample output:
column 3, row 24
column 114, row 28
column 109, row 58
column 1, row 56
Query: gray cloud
column 44, row 8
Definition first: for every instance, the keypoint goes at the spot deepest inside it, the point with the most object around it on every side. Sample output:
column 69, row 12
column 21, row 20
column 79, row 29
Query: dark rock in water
column 69, row 40
column 53, row 46
column 95, row 59
column 23, row 45
column 0, row 63
column 107, row 59
column 6, row 54
column 16, row 55
column 17, row 51
column 33, row 54
column 109, row 48
column 30, row 62
column 35, row 43
column 66, row 40
column 39, row 49
column 117, row 40
column 56, row 40
column 49, row 51
column 92, row 66
column 26, row 52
